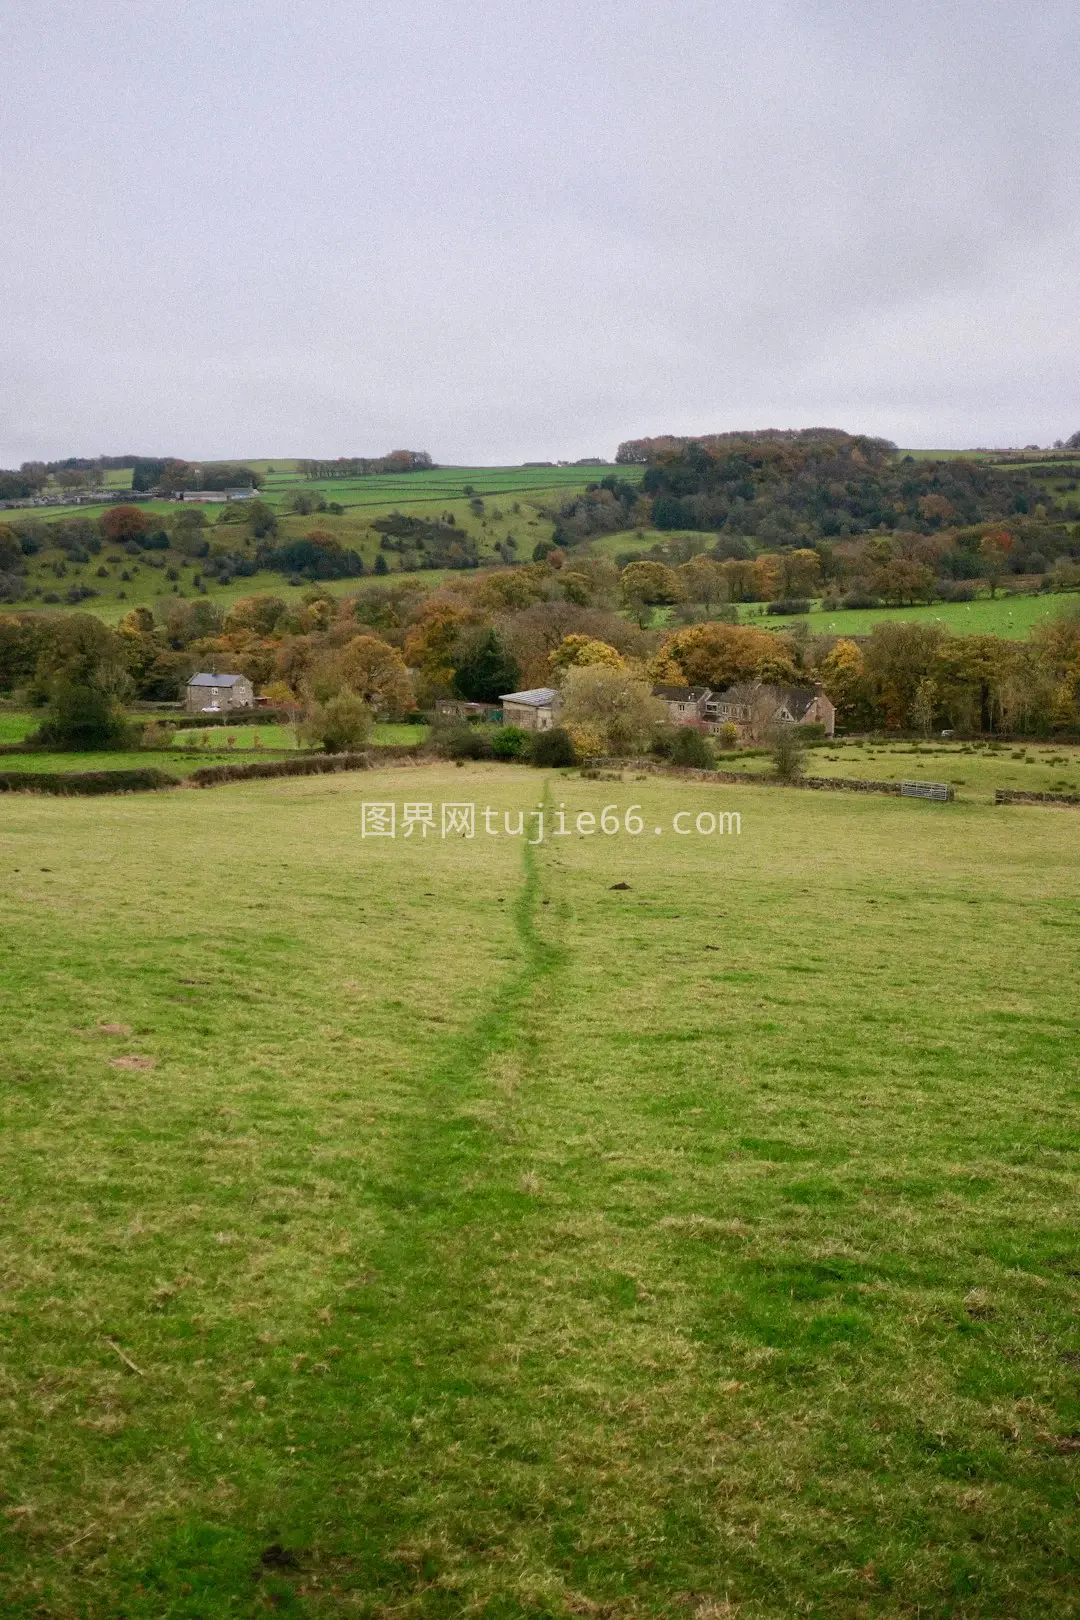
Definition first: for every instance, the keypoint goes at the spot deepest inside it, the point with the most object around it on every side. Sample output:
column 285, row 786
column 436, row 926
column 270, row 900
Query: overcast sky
column 520, row 229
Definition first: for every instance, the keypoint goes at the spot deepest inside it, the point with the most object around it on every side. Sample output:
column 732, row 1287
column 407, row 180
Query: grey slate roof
column 796, row 699
column 681, row 694
column 538, row 697
column 215, row 680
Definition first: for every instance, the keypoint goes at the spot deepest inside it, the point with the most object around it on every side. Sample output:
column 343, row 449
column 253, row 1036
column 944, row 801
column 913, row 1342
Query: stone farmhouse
column 750, row 706
column 685, row 704
column 534, row 710
column 214, row 694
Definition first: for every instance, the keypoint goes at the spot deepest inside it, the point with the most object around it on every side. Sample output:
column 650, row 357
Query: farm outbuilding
column 534, row 710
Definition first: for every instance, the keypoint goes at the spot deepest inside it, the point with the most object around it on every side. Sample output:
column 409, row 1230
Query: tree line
column 396, row 461
column 396, row 645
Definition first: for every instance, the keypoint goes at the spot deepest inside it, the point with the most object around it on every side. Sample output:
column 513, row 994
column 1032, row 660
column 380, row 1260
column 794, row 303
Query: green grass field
column 973, row 769
column 1011, row 616
column 627, row 1226
column 189, row 750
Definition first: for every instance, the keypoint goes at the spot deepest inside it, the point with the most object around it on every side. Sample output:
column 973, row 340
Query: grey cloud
column 502, row 230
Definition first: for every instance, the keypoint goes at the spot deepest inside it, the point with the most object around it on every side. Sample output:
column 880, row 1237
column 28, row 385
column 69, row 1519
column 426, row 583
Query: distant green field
column 423, row 495
column 1010, row 616
column 274, row 737
column 210, row 741
column 973, row 769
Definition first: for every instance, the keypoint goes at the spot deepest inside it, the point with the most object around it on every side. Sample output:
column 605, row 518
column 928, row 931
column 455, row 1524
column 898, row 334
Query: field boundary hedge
column 1022, row 796
column 826, row 784
column 310, row 765
column 142, row 780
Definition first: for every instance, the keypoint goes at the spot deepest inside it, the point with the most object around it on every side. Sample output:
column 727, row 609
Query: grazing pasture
column 974, row 769
column 624, row 1226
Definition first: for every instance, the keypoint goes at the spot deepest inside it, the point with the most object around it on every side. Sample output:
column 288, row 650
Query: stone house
column 534, row 710
column 214, row 694
column 685, row 704
column 754, row 708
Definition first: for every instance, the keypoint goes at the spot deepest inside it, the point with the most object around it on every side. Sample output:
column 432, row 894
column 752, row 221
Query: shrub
column 728, row 735
column 553, row 749
column 692, row 748
column 467, row 742
column 82, row 718
column 792, row 604
column 338, row 725
column 861, row 599
column 788, row 749
column 510, row 742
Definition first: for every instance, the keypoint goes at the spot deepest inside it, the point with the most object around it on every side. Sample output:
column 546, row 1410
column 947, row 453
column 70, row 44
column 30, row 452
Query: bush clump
column 86, row 782
column 83, row 719
column 691, row 748
column 789, row 605
column 788, row 749
column 553, row 749
column 510, row 742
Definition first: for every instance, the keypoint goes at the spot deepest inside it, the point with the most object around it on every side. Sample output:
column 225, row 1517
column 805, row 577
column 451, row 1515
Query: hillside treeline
column 397, row 461
column 397, row 645
column 788, row 489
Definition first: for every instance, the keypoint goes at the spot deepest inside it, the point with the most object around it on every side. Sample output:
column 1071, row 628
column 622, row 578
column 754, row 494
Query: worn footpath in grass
column 489, row 1238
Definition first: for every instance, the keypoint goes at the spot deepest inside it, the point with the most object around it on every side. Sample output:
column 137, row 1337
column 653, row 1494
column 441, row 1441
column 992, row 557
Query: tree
column 649, row 582
column 896, row 658
column 11, row 552
column 82, row 717
column 261, row 614
column 843, row 675
column 924, row 704
column 718, row 655
column 82, row 651
column 121, row 523
column 703, row 580
column 800, row 573
column 373, row 670
column 994, row 549
column 432, row 641
column 336, row 725
column 21, row 640
column 970, row 673
column 901, row 581
column 575, row 651
column 485, row 669
column 613, row 703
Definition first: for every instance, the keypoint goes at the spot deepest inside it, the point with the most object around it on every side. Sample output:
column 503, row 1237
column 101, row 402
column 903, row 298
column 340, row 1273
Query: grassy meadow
column 621, row 1226
column 1011, row 616
column 974, row 769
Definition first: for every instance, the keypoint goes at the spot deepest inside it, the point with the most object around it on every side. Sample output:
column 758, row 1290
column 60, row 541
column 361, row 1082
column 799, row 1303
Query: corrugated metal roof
column 537, row 696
